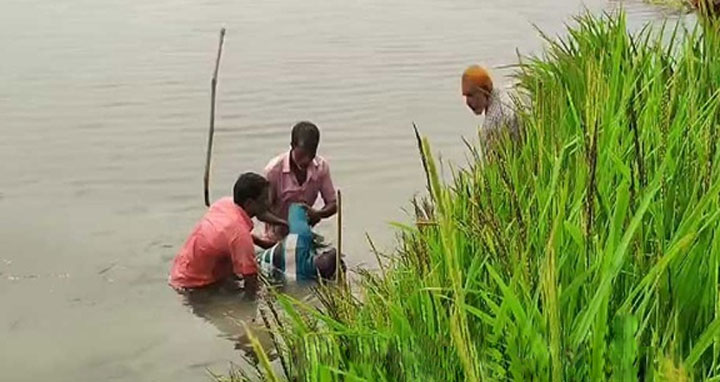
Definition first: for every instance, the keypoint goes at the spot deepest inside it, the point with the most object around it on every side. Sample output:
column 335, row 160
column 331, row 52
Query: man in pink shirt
column 221, row 244
column 299, row 176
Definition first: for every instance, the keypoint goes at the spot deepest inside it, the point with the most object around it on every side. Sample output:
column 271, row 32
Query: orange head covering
column 476, row 76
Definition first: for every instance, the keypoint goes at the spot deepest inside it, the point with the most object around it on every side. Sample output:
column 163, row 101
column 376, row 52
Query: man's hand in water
column 251, row 286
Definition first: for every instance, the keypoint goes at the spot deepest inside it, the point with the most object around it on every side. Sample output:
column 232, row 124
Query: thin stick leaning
column 213, row 90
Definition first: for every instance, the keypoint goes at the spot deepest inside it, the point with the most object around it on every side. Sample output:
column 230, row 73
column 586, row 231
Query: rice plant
column 587, row 251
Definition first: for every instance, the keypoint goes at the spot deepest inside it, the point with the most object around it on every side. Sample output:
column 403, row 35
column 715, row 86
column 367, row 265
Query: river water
column 103, row 123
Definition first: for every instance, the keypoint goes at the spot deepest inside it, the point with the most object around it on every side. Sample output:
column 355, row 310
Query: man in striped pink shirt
column 299, row 176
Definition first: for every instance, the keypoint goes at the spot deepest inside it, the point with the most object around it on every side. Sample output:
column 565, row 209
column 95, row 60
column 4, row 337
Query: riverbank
column 590, row 251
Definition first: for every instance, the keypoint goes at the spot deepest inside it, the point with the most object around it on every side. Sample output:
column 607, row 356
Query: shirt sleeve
column 242, row 254
column 272, row 177
column 327, row 190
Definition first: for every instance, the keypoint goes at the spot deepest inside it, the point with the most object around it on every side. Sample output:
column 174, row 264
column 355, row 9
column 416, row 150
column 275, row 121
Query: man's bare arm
column 252, row 285
column 261, row 242
column 314, row 216
column 271, row 218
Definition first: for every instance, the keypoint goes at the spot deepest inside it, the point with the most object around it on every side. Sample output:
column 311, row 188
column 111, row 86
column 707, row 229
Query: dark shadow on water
column 226, row 309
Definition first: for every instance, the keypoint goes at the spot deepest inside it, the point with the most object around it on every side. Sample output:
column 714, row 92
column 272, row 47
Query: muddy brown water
column 103, row 121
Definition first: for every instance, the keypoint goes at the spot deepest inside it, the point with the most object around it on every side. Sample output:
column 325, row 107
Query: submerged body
column 296, row 256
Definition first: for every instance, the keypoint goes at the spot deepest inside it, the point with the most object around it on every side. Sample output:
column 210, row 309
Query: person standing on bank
column 299, row 176
column 484, row 98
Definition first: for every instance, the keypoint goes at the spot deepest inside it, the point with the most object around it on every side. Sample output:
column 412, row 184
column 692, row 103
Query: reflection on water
column 228, row 312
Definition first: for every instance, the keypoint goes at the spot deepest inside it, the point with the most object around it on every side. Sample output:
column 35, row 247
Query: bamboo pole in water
column 213, row 91
column 338, row 253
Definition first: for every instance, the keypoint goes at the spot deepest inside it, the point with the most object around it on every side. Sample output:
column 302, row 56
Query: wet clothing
column 219, row 246
column 293, row 256
column 285, row 189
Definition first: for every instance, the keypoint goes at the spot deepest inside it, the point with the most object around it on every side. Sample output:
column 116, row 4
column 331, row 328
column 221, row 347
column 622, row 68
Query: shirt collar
column 244, row 216
column 286, row 164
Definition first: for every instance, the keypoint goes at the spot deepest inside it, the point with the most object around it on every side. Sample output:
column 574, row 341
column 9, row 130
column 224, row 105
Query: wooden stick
column 213, row 91
column 338, row 276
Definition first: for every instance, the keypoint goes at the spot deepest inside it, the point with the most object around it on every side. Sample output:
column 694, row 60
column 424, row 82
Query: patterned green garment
column 293, row 256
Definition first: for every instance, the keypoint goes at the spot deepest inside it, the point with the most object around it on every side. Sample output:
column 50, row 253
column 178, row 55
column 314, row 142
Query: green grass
column 704, row 7
column 677, row 4
column 590, row 251
column 701, row 6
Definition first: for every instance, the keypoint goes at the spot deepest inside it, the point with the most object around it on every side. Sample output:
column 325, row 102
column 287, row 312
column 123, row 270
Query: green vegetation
column 704, row 7
column 709, row 8
column 678, row 4
column 589, row 252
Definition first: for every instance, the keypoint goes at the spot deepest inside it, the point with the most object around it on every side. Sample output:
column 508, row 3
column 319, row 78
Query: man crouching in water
column 220, row 246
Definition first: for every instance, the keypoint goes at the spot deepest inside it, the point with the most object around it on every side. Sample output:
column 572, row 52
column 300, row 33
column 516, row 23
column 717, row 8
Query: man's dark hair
column 326, row 264
column 249, row 186
column 305, row 135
